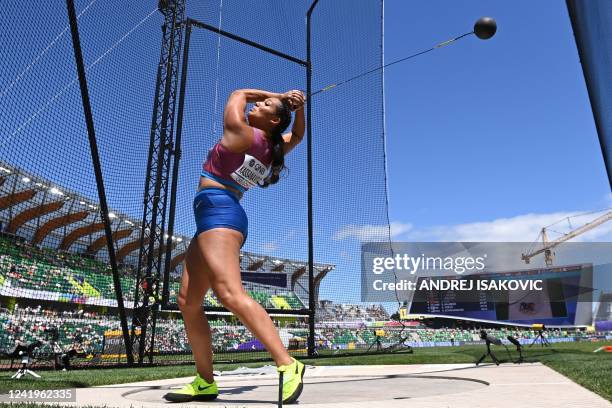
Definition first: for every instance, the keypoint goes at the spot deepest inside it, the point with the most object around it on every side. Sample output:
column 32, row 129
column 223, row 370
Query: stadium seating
column 41, row 273
column 25, row 267
column 88, row 329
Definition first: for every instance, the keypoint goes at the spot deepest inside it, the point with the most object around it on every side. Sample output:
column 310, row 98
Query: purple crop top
column 239, row 170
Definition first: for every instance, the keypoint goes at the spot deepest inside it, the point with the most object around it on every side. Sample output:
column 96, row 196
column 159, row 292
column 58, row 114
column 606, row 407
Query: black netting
column 349, row 176
column 53, row 259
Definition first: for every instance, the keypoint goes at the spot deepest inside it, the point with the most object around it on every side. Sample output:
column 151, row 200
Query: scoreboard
column 556, row 303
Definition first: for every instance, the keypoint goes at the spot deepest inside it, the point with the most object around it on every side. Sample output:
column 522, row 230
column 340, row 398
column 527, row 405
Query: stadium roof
column 50, row 215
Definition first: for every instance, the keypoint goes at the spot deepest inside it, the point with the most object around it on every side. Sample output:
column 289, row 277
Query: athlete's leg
column 220, row 250
column 194, row 285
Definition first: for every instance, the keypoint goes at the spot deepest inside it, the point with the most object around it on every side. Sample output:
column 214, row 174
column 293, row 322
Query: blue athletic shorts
column 219, row 208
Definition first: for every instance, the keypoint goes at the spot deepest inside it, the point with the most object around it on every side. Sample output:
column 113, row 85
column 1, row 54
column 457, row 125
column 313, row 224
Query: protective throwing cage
column 103, row 134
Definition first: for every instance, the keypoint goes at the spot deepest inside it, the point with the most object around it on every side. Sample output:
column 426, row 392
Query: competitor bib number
column 250, row 173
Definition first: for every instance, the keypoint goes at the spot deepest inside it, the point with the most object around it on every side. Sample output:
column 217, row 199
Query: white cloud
column 366, row 233
column 522, row 228
column 270, row 246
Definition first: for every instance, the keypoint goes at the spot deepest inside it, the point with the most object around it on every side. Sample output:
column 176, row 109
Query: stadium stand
column 342, row 312
column 66, row 268
column 61, row 255
column 42, row 273
column 86, row 331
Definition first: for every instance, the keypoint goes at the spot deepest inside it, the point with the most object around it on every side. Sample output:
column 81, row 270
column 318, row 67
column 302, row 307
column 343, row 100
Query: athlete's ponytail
column 278, row 156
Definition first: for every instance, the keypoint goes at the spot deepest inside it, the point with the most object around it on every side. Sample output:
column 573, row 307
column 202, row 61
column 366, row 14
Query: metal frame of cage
column 189, row 24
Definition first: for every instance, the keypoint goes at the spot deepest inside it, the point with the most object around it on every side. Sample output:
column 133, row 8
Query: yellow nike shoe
column 291, row 381
column 197, row 390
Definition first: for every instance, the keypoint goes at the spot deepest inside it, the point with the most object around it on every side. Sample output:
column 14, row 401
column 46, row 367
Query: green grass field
column 574, row 360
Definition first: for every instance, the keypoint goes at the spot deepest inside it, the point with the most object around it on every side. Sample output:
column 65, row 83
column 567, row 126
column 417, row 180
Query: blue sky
column 487, row 140
column 497, row 132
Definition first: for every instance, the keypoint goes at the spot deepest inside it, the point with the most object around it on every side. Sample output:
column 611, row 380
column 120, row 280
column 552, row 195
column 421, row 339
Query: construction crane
column 547, row 245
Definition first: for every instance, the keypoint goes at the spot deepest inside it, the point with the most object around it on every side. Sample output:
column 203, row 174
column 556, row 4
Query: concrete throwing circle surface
column 326, row 385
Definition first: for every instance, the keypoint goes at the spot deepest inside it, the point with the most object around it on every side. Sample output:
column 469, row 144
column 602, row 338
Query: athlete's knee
column 188, row 304
column 233, row 299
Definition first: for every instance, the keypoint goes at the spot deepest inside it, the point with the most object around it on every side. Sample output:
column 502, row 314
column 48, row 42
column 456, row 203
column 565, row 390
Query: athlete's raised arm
column 237, row 134
column 292, row 139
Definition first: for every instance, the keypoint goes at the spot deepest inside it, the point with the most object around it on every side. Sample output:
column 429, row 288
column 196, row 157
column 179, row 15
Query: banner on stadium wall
column 252, row 345
column 10, row 291
column 524, row 342
column 603, row 326
column 264, row 278
column 113, row 342
column 470, row 342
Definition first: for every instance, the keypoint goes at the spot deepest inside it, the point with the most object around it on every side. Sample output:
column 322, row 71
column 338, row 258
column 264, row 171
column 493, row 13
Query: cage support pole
column 95, row 157
column 175, row 164
column 311, row 282
column 243, row 40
